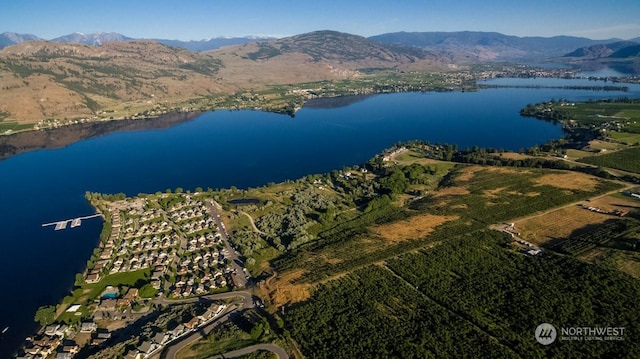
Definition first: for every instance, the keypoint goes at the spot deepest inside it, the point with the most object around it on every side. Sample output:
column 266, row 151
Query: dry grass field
column 559, row 224
column 569, row 180
column 281, row 289
column 412, row 228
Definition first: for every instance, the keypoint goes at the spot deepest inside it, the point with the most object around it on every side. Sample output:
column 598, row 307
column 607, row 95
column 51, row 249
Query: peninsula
column 368, row 246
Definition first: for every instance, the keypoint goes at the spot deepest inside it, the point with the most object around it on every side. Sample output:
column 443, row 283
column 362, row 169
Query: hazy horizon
column 200, row 19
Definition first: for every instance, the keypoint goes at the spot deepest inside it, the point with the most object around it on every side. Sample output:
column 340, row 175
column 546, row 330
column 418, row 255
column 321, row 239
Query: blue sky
column 199, row 19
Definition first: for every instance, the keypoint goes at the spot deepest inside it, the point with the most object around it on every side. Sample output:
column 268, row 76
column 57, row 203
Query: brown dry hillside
column 54, row 80
column 41, row 80
column 315, row 56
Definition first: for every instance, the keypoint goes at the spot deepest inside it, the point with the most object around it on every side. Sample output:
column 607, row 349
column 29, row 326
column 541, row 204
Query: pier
column 75, row 222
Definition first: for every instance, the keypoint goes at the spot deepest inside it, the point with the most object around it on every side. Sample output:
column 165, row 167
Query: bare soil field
column 412, row 228
column 467, row 174
column 558, row 224
column 282, row 290
column 568, row 180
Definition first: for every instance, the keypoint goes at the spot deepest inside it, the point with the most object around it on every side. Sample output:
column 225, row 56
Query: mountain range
column 489, row 46
column 77, row 76
column 46, row 79
column 615, row 50
column 462, row 46
column 98, row 38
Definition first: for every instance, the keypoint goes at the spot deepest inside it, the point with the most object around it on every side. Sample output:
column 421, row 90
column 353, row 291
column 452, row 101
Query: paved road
column 240, row 278
column 172, row 350
column 278, row 351
column 247, row 299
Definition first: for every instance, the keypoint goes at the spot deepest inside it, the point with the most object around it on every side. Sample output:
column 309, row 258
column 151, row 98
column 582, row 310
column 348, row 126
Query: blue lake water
column 223, row 149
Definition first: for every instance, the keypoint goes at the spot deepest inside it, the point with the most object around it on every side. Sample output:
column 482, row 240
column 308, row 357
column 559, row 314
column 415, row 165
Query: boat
column 5, row 330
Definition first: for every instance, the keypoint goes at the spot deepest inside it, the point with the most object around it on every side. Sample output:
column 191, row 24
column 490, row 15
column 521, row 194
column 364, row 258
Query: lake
column 222, row 149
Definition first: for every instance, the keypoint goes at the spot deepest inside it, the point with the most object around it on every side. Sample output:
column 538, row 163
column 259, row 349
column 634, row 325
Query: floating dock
column 75, row 222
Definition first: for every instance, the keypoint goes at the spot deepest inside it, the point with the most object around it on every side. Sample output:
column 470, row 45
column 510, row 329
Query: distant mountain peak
column 12, row 38
column 473, row 46
column 95, row 39
column 602, row 50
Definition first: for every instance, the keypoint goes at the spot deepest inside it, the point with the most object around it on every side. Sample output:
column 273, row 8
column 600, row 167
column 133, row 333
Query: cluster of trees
column 372, row 314
column 288, row 230
column 467, row 297
column 94, row 196
column 616, row 233
column 247, row 241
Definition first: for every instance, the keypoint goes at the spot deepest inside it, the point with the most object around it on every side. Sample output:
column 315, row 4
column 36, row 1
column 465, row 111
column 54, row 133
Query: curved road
column 279, row 352
column 171, row 350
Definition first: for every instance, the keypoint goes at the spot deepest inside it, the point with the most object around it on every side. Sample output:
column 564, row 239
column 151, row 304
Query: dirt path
column 253, row 224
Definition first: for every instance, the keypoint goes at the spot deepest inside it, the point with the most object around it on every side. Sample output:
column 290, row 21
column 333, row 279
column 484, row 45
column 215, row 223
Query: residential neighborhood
column 176, row 248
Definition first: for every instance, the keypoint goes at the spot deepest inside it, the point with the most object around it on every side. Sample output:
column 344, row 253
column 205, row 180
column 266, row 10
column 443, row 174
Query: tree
column 79, row 279
column 148, row 291
column 45, row 315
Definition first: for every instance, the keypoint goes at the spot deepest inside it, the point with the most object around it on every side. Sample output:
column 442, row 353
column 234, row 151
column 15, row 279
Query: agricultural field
column 557, row 225
column 627, row 138
column 467, row 295
column 625, row 113
column 496, row 194
column 7, row 126
column 467, row 199
column 603, row 146
column 577, row 154
column 626, row 160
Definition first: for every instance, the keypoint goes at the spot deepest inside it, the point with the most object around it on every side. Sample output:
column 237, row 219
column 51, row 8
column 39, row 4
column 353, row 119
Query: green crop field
column 626, row 160
column 467, row 295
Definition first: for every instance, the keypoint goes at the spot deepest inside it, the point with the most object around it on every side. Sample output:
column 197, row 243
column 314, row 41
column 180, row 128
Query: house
column 157, row 274
column 192, row 323
column 161, row 338
column 73, row 349
column 156, row 283
column 103, row 335
column 133, row 354
column 146, row 347
column 93, row 278
column 96, row 342
column 88, row 327
column 51, row 329
column 177, row 331
column 108, row 304
column 212, row 311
